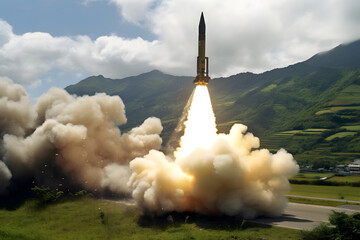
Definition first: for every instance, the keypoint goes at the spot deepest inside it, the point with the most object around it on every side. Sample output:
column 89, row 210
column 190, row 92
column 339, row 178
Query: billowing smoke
column 66, row 141
column 213, row 173
column 69, row 140
column 17, row 115
column 5, row 176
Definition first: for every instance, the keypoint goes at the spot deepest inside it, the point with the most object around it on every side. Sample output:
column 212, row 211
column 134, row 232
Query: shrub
column 83, row 193
column 45, row 195
column 347, row 227
column 321, row 232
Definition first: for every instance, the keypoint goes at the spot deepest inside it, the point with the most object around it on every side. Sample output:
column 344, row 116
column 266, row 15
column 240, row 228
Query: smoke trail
column 174, row 140
column 67, row 141
column 213, row 173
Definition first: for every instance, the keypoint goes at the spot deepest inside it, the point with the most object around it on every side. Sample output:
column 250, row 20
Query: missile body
column 202, row 77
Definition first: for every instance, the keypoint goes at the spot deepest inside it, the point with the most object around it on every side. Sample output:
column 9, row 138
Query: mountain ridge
column 301, row 95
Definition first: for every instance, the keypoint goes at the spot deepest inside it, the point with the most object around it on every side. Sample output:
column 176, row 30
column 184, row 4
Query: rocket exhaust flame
column 200, row 126
column 213, row 173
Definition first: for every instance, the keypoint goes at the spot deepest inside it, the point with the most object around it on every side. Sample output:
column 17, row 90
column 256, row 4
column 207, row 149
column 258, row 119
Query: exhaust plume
column 213, row 173
column 17, row 114
column 75, row 141
column 70, row 142
column 173, row 142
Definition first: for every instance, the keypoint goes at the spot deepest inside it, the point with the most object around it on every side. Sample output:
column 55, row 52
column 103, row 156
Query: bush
column 82, row 194
column 347, row 227
column 45, row 195
column 321, row 232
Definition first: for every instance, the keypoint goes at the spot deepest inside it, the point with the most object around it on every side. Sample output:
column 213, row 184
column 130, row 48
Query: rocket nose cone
column 202, row 24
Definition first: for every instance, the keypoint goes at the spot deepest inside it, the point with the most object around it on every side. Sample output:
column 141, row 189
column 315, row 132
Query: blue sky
column 68, row 18
column 46, row 43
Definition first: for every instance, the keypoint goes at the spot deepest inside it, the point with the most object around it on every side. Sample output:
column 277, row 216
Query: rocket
column 202, row 76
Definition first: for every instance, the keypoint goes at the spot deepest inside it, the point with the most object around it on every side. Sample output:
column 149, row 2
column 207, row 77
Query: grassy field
column 317, row 202
column 344, row 179
column 337, row 109
column 340, row 135
column 306, row 131
column 82, row 219
column 352, row 128
column 310, row 176
column 334, row 192
column 313, row 175
column 269, row 88
column 349, row 95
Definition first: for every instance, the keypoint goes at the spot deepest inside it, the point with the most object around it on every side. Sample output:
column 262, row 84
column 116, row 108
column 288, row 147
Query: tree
column 347, row 227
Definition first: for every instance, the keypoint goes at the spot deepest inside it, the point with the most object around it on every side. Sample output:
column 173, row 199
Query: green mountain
column 299, row 107
column 149, row 94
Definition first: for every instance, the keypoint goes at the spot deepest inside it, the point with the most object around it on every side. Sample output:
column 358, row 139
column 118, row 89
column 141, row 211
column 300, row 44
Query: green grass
column 340, row 135
column 344, row 179
column 81, row 220
column 352, row 128
column 306, row 131
column 316, row 130
column 269, row 88
column 318, row 202
column 348, row 153
column 291, row 132
column 334, row 192
column 313, row 175
column 348, row 96
column 336, row 109
column 310, row 132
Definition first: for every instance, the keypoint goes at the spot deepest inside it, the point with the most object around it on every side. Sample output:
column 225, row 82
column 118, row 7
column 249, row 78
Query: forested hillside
column 312, row 108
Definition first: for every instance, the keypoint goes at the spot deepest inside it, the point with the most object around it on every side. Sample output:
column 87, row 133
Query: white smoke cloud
column 228, row 178
column 243, row 35
column 115, row 178
column 213, row 173
column 5, row 176
column 76, row 137
column 17, row 115
column 76, row 142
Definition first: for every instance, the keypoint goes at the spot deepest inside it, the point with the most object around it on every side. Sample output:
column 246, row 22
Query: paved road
column 302, row 216
column 328, row 199
column 296, row 216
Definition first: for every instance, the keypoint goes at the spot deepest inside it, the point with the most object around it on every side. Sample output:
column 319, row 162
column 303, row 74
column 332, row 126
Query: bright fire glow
column 200, row 127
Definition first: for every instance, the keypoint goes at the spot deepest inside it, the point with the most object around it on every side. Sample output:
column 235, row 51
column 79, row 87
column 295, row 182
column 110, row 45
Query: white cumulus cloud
column 246, row 35
column 133, row 11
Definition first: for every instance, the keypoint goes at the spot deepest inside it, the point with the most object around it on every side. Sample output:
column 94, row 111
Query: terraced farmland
column 340, row 135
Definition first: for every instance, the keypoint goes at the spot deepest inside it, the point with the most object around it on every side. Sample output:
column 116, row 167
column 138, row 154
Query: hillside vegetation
column 311, row 108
